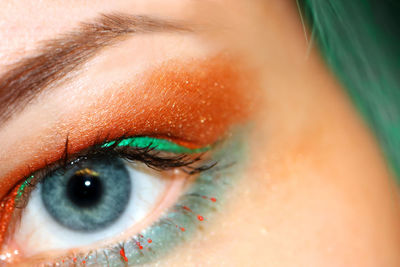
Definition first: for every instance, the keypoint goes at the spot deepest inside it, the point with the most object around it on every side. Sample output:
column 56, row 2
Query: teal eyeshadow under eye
column 156, row 144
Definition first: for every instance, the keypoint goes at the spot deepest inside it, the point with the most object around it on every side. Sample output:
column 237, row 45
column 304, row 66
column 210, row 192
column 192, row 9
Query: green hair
column 359, row 40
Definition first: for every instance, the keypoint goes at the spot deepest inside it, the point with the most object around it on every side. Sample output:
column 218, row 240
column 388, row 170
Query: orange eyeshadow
column 7, row 209
column 192, row 102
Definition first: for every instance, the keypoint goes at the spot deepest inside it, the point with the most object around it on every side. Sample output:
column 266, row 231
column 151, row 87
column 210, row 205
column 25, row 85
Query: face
column 183, row 133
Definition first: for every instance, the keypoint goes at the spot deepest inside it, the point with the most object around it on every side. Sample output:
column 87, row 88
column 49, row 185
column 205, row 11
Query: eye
column 87, row 202
column 125, row 201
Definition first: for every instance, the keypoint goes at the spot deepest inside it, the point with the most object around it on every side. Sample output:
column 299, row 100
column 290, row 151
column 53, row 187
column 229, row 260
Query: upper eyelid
column 20, row 85
column 211, row 114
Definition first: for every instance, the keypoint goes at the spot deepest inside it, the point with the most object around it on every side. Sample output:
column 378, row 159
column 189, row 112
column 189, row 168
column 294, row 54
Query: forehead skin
column 316, row 190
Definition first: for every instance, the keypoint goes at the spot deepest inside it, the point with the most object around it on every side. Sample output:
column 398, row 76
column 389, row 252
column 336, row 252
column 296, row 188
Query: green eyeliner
column 23, row 186
column 157, row 144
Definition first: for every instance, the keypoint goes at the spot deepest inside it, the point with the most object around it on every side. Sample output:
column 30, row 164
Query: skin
column 316, row 190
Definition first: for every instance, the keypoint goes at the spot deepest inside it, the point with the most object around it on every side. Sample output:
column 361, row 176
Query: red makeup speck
column 122, row 253
column 139, row 245
column 187, row 208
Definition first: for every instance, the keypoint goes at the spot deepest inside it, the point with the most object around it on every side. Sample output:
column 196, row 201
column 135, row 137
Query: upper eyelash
column 148, row 155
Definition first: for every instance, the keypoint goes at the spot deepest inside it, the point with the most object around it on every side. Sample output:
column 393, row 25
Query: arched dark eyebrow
column 58, row 57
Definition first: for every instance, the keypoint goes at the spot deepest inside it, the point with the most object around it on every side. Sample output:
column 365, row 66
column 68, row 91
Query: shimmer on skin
column 193, row 102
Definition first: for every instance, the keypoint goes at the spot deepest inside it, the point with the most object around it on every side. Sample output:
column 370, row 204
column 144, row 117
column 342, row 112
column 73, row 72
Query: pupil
column 84, row 189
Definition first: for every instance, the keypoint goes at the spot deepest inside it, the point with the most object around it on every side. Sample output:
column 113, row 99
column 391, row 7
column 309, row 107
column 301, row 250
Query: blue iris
column 89, row 195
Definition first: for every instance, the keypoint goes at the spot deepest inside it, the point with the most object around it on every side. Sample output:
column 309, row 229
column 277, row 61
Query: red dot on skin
column 122, row 253
column 213, row 199
column 149, row 241
column 83, row 262
column 74, row 259
column 200, row 218
column 186, row 208
column 183, row 229
column 140, row 247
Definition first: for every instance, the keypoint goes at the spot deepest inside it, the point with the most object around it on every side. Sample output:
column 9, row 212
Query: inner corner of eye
column 88, row 205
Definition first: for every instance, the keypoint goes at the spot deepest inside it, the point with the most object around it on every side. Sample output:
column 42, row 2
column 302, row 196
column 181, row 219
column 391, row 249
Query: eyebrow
column 58, row 57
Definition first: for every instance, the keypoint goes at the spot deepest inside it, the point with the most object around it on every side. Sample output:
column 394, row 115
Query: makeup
column 156, row 143
column 194, row 208
column 6, row 214
column 192, row 102
column 183, row 107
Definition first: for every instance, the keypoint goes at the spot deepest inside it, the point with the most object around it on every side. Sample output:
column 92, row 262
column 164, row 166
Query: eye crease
column 76, row 194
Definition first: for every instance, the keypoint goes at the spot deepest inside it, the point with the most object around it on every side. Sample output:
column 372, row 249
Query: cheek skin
column 191, row 102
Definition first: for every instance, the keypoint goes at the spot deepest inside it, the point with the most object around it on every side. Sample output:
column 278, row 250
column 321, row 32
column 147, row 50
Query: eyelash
column 148, row 155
